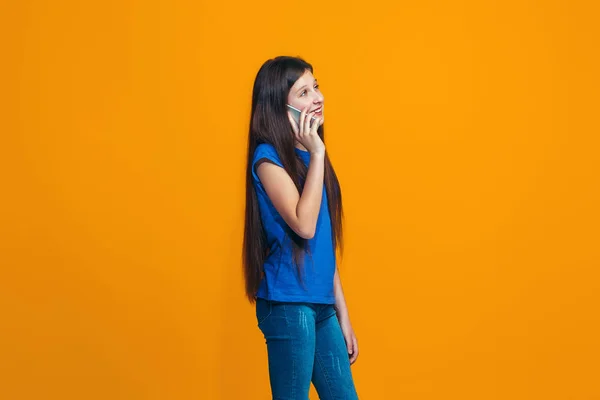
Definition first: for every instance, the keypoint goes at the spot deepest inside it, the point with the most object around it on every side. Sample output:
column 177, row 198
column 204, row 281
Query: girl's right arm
column 299, row 212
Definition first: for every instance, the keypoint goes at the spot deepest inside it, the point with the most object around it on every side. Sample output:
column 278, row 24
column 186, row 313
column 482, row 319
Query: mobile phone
column 296, row 115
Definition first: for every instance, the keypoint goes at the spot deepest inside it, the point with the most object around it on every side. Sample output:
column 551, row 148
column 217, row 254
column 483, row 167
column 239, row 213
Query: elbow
column 306, row 233
column 309, row 235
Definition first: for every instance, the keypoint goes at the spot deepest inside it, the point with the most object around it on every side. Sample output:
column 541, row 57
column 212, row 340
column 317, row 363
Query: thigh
column 332, row 376
column 289, row 331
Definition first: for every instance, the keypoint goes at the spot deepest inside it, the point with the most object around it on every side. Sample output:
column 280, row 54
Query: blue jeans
column 305, row 343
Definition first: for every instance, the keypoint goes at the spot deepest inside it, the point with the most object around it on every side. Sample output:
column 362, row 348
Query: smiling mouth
column 318, row 110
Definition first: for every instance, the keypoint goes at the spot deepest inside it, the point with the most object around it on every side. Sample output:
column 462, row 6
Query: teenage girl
column 292, row 230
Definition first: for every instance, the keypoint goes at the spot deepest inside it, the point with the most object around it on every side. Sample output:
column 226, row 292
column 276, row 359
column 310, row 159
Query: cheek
column 299, row 103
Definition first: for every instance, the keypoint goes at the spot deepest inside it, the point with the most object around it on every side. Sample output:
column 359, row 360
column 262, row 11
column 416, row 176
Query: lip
column 320, row 110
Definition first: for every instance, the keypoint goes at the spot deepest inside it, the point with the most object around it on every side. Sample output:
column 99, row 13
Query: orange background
column 465, row 137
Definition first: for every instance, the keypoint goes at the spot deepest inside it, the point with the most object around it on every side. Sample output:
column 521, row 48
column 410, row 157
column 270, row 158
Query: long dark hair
column 269, row 124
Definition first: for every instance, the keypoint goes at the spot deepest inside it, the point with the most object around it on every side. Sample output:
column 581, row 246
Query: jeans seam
column 287, row 324
column 268, row 314
column 324, row 372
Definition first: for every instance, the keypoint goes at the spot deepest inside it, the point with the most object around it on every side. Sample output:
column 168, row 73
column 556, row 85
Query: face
column 306, row 94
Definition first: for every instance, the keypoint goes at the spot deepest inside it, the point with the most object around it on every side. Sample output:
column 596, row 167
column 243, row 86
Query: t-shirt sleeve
column 264, row 152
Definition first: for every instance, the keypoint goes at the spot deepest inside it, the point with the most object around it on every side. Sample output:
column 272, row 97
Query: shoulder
column 268, row 151
column 264, row 152
column 265, row 149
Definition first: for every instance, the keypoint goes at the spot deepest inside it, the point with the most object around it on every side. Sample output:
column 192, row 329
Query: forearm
column 340, row 301
column 309, row 204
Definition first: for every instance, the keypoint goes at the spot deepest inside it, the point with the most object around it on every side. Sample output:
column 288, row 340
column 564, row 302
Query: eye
column 304, row 91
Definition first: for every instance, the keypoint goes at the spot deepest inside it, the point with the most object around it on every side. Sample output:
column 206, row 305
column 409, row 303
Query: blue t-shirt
column 281, row 282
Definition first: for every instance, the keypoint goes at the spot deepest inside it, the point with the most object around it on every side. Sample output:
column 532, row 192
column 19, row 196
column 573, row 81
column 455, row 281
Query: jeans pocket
column 263, row 310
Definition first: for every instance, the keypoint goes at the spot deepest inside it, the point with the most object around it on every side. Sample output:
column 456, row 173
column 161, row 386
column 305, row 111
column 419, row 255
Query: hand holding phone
column 296, row 115
column 305, row 134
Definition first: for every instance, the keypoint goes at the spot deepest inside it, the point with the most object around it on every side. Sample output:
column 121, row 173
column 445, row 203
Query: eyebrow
column 305, row 86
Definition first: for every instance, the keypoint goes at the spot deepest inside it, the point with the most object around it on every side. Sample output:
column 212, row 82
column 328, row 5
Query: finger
column 352, row 349
column 307, row 123
column 293, row 122
column 316, row 124
column 302, row 119
column 307, row 119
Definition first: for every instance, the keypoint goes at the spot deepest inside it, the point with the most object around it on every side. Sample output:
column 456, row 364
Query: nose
column 318, row 98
